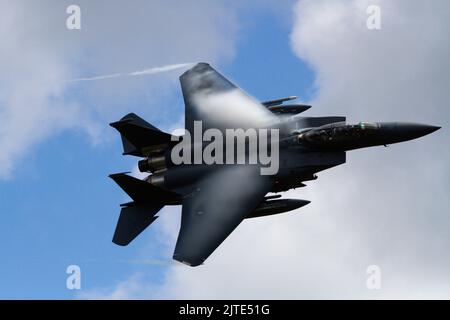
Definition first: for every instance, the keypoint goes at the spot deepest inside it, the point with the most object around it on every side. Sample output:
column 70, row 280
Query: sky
column 386, row 206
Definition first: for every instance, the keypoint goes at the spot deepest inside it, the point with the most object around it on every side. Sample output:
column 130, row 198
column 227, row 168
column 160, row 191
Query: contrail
column 137, row 73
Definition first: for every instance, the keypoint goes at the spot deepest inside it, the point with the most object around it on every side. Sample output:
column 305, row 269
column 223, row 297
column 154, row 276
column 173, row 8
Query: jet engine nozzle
column 152, row 164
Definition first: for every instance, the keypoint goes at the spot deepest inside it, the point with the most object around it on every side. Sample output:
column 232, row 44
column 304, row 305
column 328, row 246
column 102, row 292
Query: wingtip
column 187, row 261
column 197, row 67
column 114, row 175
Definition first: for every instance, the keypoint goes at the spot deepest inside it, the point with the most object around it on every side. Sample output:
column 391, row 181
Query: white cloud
column 387, row 207
column 40, row 55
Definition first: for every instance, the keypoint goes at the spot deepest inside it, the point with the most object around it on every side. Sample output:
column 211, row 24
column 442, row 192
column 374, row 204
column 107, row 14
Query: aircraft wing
column 218, row 103
column 216, row 207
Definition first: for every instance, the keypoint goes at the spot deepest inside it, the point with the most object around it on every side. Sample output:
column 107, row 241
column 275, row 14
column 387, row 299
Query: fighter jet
column 217, row 197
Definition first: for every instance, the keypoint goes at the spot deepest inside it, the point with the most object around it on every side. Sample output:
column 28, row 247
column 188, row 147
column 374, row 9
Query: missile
column 267, row 208
column 276, row 102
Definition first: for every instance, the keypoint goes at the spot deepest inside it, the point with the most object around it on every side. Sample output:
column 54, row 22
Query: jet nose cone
column 393, row 132
column 416, row 130
column 432, row 129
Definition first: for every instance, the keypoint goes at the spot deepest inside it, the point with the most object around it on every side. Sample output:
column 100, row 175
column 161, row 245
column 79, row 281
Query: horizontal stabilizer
column 141, row 191
column 140, row 138
column 133, row 220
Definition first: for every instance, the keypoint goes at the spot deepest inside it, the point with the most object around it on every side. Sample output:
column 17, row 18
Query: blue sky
column 385, row 206
column 60, row 208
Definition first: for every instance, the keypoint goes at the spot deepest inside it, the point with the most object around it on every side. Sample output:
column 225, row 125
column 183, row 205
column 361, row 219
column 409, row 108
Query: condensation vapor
column 137, row 73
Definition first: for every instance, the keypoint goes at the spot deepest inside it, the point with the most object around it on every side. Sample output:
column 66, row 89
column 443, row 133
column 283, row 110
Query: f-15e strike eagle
column 216, row 197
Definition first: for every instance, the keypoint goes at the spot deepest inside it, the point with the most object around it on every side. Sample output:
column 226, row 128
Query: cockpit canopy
column 338, row 132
